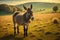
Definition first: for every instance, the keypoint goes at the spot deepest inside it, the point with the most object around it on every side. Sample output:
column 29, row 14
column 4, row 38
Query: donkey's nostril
column 32, row 18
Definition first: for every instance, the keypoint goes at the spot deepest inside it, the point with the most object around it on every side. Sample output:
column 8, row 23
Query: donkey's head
column 29, row 12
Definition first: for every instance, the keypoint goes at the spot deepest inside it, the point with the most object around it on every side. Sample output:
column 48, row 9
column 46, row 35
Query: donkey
column 23, row 20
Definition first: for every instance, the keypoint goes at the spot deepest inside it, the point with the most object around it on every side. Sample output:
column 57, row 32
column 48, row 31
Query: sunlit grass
column 40, row 28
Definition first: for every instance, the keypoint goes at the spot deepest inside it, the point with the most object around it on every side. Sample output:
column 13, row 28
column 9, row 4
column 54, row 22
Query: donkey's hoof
column 17, row 32
column 25, row 36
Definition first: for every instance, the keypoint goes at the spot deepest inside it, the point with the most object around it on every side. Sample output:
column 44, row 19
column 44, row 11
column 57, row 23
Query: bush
column 55, row 8
column 55, row 21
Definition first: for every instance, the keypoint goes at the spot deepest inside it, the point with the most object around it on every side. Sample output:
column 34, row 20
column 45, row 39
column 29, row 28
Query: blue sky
column 15, row 2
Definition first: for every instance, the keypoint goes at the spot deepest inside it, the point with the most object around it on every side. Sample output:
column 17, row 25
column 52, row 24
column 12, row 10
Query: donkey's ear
column 31, row 6
column 24, row 7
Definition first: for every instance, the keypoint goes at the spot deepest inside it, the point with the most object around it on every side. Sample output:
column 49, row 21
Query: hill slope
column 8, row 9
column 39, row 5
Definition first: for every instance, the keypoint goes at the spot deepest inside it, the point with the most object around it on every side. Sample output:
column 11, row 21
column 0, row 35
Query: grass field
column 42, row 28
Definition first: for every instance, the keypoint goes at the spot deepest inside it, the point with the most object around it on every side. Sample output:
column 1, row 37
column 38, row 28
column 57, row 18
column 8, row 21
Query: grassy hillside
column 38, row 6
column 8, row 9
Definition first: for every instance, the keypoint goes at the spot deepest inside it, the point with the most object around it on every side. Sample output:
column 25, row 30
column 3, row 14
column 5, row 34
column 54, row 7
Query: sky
column 15, row 2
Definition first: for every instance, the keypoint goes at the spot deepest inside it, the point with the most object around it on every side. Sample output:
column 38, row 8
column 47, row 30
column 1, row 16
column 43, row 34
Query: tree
column 55, row 8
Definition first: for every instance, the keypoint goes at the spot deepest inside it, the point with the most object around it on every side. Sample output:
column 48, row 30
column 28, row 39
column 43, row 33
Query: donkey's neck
column 26, row 19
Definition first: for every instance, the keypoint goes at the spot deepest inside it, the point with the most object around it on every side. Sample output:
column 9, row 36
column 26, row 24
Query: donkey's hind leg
column 14, row 29
column 18, row 29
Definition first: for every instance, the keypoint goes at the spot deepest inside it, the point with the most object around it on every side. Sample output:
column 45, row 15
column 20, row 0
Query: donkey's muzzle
column 32, row 18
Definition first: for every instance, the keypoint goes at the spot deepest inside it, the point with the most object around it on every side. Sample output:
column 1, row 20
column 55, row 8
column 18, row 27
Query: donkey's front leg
column 25, row 30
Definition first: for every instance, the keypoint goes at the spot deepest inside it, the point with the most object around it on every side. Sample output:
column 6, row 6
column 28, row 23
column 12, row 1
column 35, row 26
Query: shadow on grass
column 10, row 37
column 58, row 38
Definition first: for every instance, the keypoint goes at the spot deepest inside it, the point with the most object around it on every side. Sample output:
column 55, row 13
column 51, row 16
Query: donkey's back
column 18, row 18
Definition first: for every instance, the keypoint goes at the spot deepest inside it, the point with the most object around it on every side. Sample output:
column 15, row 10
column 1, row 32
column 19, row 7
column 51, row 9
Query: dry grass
column 42, row 28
